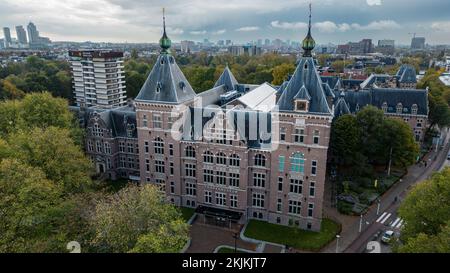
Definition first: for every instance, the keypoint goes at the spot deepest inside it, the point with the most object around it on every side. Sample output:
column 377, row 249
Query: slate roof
column 227, row 78
column 305, row 75
column 166, row 83
column 341, row 107
column 303, row 94
column 373, row 79
column 407, row 74
column 334, row 82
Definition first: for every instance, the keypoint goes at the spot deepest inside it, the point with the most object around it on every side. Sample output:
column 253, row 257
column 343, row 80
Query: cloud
column 198, row 32
column 329, row 27
column 374, row 2
column 443, row 26
column 378, row 25
column 248, row 29
column 219, row 32
column 175, row 31
column 289, row 25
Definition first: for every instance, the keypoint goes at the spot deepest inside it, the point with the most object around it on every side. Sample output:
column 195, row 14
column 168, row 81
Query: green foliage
column 137, row 219
column 280, row 73
column 426, row 212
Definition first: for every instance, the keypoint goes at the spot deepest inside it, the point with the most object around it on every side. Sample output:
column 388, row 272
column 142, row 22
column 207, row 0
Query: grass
column 229, row 250
column 293, row 237
column 187, row 213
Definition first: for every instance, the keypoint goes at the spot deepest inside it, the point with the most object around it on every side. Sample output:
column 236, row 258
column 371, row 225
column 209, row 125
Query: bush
column 345, row 208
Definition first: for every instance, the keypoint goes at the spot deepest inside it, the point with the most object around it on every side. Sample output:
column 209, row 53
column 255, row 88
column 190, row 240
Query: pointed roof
column 227, row 78
column 407, row 74
column 341, row 107
column 303, row 94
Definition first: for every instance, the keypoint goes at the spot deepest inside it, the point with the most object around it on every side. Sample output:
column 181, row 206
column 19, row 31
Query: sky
column 334, row 21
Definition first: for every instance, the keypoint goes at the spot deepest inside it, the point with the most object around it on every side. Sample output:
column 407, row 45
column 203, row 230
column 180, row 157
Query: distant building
column 33, row 34
column 187, row 46
column 21, row 35
column 221, row 43
column 418, row 43
column 386, row 47
column 98, row 78
column 244, row 50
column 7, row 35
column 266, row 42
column 359, row 48
column 228, row 42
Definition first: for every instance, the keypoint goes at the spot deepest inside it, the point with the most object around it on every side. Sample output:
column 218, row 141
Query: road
column 387, row 218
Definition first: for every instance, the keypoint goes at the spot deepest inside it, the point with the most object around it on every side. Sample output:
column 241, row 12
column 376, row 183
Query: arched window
column 159, row 146
column 221, row 159
column 260, row 160
column 235, row 160
column 298, row 163
column 384, row 107
column 399, row 108
column 414, row 109
column 208, row 157
column 190, row 152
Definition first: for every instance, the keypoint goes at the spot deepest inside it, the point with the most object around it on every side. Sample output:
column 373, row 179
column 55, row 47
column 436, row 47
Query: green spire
column 308, row 43
column 165, row 42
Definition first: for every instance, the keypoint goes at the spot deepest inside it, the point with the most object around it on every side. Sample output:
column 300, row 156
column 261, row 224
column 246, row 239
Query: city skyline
column 240, row 21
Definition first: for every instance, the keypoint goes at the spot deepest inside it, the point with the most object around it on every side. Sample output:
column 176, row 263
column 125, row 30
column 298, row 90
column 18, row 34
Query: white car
column 387, row 236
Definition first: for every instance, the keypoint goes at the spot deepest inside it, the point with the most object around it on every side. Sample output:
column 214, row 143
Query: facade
column 418, row 43
column 7, row 34
column 33, row 34
column 21, row 35
column 98, row 78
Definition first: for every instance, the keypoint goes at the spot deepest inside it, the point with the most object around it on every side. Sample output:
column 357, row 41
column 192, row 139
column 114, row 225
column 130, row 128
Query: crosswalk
column 397, row 223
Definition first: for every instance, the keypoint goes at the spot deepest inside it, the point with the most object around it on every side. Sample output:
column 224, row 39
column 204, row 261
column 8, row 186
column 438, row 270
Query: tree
column 134, row 83
column 439, row 112
column 426, row 213
column 138, row 219
column 280, row 73
column 345, row 140
column 370, row 121
column 9, row 91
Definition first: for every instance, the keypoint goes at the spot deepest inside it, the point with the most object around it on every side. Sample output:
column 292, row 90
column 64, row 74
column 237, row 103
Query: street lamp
column 360, row 223
column 235, row 236
column 337, row 243
column 378, row 206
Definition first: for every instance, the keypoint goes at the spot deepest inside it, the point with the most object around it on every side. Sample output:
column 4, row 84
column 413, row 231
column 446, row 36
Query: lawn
column 293, row 237
column 229, row 250
column 187, row 213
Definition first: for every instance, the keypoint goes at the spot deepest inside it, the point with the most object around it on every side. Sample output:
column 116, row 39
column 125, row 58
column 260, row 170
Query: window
column 97, row 131
column 189, row 152
column 147, row 165
column 295, row 207
column 300, row 105
column 221, row 159
column 399, row 108
column 281, row 161
column 233, row 201
column 108, row 163
column 159, row 166
column 280, row 184
column 130, row 147
column 191, row 189
column 208, row 197
column 313, row 168
column 190, row 170
column 259, row 180
column 170, row 149
column 172, row 187
column 221, row 178
column 157, row 121
column 384, row 107
column 282, row 134
column 260, row 160
column 310, row 209
column 316, row 136
column 146, row 148
column 122, row 147
column 234, row 180
column 144, row 121
column 90, row 146
column 208, row 157
column 279, row 205
column 98, row 145
column 414, row 109
column 296, row 186
column 208, row 176
column 299, row 135
column 170, row 122
column 171, row 168
column 159, row 146
column 258, row 200
column 107, row 148
column 130, row 163
column 298, row 163
column 122, row 163
column 235, row 160
column 312, row 189
column 221, row 199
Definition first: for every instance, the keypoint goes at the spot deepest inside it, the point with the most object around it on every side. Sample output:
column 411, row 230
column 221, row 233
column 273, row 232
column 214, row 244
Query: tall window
column 259, row 180
column 190, row 170
column 147, row 165
column 98, row 144
column 159, row 166
column 312, row 189
column 146, row 147
column 310, row 209
column 208, row 157
column 121, row 147
column 295, row 207
column 172, row 187
column 208, row 176
column 221, row 199
column 107, row 148
column 260, row 160
column 171, row 168
column 90, row 146
column 221, row 178
column 234, row 180
column 130, row 148
column 299, row 135
column 258, row 200
column 280, row 184
column 234, row 160
column 157, row 121
column 170, row 149
column 313, row 167
column 159, row 146
column 208, row 197
column 316, row 136
column 190, row 152
column 282, row 134
column 298, row 163
column 233, row 200
column 279, row 205
column 281, row 161
column 144, row 121
column 191, row 189
column 221, row 159
column 296, row 186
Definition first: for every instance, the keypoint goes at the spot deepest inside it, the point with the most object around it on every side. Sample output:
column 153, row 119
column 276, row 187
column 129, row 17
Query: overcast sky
column 335, row 21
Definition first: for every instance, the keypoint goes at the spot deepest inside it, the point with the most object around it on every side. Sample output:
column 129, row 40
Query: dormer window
column 182, row 86
column 384, row 107
column 301, row 105
column 399, row 108
column 158, row 87
column 306, row 66
column 162, row 60
column 414, row 109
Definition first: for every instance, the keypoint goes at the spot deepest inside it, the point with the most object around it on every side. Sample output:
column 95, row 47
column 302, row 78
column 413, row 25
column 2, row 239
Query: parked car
column 387, row 236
